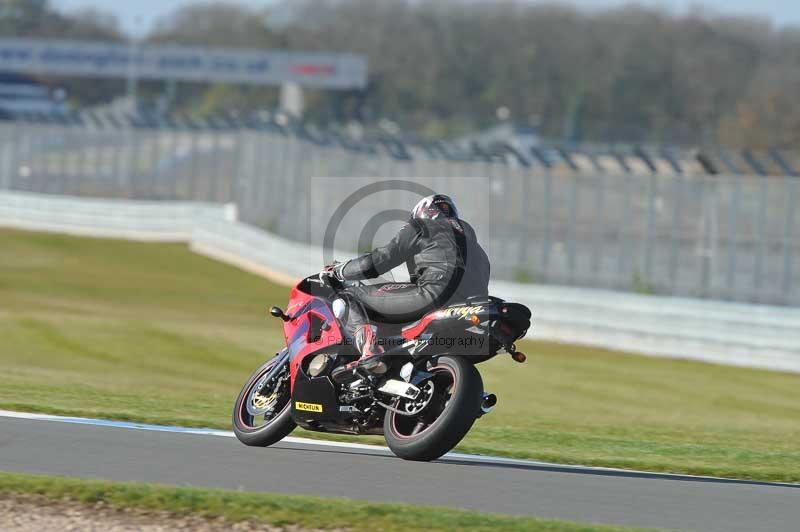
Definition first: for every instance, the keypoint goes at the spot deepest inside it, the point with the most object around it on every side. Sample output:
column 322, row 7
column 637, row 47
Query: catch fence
column 729, row 237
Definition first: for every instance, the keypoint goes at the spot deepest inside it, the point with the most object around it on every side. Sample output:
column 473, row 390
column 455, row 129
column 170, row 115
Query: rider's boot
column 371, row 360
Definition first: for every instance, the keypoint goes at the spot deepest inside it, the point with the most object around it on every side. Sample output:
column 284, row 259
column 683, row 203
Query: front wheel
column 448, row 404
column 262, row 413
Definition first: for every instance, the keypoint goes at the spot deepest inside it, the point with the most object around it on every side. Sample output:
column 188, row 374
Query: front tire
column 271, row 426
column 454, row 405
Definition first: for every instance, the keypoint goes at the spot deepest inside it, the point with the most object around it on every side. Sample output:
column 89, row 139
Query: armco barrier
column 727, row 333
column 163, row 221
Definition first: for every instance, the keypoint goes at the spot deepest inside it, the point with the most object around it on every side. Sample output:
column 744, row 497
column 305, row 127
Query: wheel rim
column 426, row 415
column 264, row 400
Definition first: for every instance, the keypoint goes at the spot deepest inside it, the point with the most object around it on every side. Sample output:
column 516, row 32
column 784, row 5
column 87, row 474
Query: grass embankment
column 153, row 333
column 280, row 510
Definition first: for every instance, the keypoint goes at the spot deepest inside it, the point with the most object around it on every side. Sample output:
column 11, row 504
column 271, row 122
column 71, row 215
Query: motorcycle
column 424, row 404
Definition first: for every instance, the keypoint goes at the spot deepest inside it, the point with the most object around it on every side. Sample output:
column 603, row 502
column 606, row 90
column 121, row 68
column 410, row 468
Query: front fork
column 282, row 358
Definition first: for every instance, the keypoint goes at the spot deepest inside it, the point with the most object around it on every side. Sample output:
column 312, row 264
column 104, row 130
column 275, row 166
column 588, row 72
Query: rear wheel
column 262, row 413
column 448, row 404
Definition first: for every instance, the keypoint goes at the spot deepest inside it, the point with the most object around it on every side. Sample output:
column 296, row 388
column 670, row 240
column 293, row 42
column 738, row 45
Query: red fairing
column 415, row 329
column 311, row 312
column 297, row 300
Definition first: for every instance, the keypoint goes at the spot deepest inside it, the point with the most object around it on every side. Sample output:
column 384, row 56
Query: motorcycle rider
column 445, row 263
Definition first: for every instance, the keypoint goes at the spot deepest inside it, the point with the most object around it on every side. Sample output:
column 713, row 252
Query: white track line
column 346, row 445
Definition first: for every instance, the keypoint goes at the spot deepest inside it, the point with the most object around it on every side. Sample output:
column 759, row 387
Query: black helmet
column 432, row 207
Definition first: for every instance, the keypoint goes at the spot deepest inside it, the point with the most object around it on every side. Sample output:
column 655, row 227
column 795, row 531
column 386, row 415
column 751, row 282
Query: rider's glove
column 333, row 270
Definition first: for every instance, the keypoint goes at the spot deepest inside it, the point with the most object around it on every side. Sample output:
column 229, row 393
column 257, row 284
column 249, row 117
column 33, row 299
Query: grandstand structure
column 707, row 223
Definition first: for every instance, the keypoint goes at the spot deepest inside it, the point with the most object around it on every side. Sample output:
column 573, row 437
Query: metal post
column 623, row 258
column 523, row 239
column 760, row 238
column 237, row 153
column 8, row 142
column 70, row 157
column 789, row 243
column 652, row 193
column 275, row 176
column 312, row 165
column 63, row 158
column 279, row 181
column 117, row 160
column 547, row 213
column 713, row 233
column 513, row 218
column 80, row 175
column 154, row 161
column 258, row 171
column 169, row 154
column 124, row 142
column 302, row 182
column 288, row 181
column 51, row 160
column 675, row 232
column 203, row 164
column 181, row 153
column 217, row 161
column 133, row 147
column 17, row 154
column 34, row 156
column 706, row 248
column 36, row 151
column 248, row 185
column 92, row 156
column 42, row 159
column 599, row 223
column 269, row 173
column 194, row 174
column 572, row 234
column 733, row 237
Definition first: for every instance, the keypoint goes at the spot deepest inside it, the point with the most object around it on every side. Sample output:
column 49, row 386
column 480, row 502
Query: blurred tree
column 221, row 24
column 444, row 67
column 768, row 116
column 216, row 24
column 21, row 18
column 629, row 74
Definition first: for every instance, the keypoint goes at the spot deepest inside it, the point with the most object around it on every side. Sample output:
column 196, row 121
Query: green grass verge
column 153, row 333
column 280, row 510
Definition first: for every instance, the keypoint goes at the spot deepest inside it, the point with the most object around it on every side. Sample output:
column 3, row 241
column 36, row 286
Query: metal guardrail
column 722, row 332
column 158, row 221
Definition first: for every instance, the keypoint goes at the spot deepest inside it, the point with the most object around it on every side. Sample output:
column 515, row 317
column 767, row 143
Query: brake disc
column 259, row 403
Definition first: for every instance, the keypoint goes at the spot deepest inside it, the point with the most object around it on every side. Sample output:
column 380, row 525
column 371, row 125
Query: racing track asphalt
column 81, row 448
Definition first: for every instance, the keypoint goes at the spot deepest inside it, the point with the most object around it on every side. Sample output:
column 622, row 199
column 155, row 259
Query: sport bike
column 425, row 402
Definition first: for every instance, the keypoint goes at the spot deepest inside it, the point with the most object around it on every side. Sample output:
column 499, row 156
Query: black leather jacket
column 442, row 255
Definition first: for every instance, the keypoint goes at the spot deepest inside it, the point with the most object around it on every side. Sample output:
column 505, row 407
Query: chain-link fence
column 723, row 237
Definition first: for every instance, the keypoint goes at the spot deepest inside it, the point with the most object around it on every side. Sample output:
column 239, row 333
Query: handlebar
column 331, row 281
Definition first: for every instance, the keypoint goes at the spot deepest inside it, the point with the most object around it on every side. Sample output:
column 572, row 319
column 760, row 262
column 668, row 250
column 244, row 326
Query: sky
column 138, row 16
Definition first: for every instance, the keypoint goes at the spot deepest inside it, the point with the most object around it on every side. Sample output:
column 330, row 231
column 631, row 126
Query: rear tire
column 451, row 425
column 272, row 431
